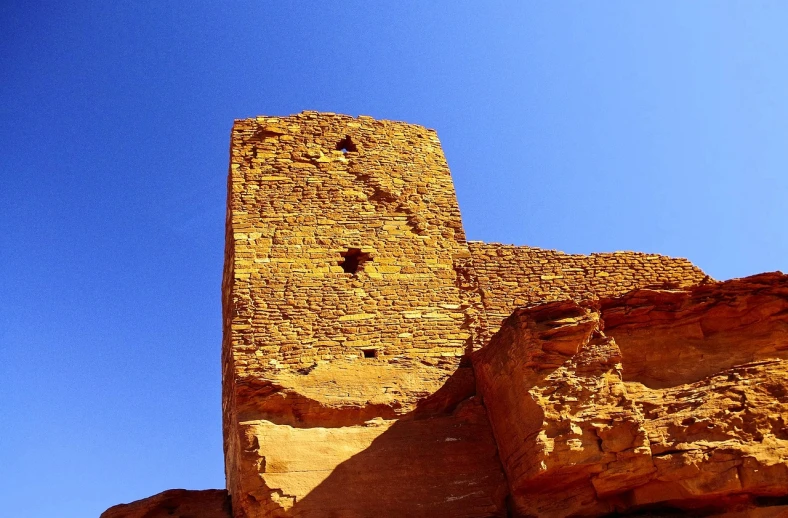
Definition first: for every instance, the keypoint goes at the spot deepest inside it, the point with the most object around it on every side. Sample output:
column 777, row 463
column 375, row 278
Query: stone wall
column 350, row 301
column 298, row 204
column 512, row 276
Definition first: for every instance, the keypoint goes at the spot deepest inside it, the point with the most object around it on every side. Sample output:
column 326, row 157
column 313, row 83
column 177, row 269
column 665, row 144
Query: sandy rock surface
column 657, row 400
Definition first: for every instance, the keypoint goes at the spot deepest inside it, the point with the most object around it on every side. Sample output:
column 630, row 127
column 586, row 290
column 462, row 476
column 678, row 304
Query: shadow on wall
column 439, row 460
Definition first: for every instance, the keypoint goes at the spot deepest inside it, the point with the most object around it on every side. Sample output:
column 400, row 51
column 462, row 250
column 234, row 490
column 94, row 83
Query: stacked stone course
column 513, row 276
column 297, row 204
column 305, row 192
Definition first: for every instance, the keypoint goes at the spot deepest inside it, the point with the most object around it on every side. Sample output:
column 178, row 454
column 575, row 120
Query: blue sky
column 593, row 126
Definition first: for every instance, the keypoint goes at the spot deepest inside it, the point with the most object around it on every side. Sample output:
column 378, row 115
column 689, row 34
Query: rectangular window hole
column 370, row 353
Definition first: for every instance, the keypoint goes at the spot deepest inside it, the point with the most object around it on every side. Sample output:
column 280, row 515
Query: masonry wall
column 512, row 276
column 344, row 378
column 304, row 193
column 297, row 204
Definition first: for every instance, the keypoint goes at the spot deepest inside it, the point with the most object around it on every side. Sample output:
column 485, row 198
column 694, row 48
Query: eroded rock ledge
column 176, row 503
column 656, row 401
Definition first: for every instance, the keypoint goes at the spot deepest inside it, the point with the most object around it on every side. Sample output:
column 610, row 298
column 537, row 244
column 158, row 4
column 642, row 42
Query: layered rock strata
column 360, row 438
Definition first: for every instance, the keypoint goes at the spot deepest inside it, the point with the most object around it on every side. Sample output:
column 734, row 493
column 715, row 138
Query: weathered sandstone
column 399, row 440
column 658, row 399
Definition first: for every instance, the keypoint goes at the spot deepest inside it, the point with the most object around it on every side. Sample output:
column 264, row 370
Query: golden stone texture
column 656, row 400
column 367, row 372
column 325, row 371
column 328, row 373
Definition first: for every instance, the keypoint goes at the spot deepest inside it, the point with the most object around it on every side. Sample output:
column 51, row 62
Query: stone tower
column 346, row 282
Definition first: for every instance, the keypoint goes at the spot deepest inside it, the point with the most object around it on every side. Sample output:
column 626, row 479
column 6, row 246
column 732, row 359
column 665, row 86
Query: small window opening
column 353, row 259
column 370, row 353
column 346, row 145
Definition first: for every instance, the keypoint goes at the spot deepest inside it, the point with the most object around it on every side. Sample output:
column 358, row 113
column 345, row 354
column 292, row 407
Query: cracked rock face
column 360, row 439
column 656, row 401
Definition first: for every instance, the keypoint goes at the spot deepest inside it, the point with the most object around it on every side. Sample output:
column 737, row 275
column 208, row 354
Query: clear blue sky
column 582, row 126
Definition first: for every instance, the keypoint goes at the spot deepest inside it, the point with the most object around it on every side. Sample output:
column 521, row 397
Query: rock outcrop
column 654, row 401
column 353, row 437
column 176, row 503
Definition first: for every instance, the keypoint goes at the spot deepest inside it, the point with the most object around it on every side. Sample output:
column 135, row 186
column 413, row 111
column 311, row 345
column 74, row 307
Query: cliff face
column 376, row 363
column 654, row 400
column 653, row 403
